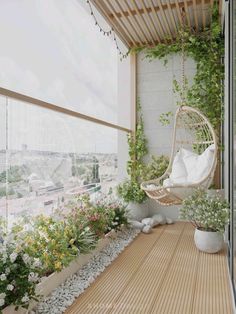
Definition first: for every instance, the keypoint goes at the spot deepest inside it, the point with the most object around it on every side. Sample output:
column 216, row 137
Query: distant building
column 24, row 147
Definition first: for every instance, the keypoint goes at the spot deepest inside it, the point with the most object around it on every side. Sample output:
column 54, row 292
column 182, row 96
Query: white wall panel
column 155, row 91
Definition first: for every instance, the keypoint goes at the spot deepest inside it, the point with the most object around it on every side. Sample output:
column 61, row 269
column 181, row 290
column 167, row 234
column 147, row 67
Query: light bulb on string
column 107, row 33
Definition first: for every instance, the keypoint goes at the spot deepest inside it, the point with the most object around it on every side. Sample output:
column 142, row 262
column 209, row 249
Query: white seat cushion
column 179, row 173
column 188, row 168
column 198, row 166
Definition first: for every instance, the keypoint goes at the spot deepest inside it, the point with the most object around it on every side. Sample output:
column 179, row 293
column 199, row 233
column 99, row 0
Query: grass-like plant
column 38, row 246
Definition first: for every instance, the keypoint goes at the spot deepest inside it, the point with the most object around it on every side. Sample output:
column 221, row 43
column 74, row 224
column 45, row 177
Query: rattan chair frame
column 192, row 130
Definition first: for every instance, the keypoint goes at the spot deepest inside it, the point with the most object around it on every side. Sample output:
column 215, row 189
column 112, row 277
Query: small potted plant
column 209, row 215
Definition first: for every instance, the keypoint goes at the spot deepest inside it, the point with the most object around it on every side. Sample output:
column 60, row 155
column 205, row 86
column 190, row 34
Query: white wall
column 155, row 90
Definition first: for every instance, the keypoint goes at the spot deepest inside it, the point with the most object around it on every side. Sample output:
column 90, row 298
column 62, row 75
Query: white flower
column 13, row 257
column 2, row 302
column 26, row 259
column 51, row 228
column 3, row 277
column 2, row 295
column 10, row 287
column 4, row 258
column 2, row 249
column 37, row 263
column 25, row 298
column 33, row 277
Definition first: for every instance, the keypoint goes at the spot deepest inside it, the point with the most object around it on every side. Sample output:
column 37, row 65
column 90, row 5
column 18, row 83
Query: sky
column 52, row 50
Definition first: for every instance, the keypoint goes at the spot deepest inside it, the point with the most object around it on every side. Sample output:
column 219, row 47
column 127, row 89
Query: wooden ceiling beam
column 101, row 7
column 164, row 19
column 151, row 22
column 170, row 11
column 187, row 13
column 195, row 15
column 158, row 21
column 179, row 13
column 129, row 22
column 203, row 14
column 157, row 8
column 137, row 22
column 144, row 23
column 122, row 24
column 211, row 10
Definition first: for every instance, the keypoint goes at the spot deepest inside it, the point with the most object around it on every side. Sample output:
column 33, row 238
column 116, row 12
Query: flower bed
column 38, row 255
column 50, row 283
column 75, row 285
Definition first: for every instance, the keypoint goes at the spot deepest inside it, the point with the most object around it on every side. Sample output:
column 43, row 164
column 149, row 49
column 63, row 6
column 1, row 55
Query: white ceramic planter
column 207, row 241
column 50, row 283
column 138, row 211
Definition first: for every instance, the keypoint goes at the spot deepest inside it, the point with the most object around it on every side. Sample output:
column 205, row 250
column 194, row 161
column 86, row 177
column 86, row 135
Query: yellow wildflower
column 58, row 265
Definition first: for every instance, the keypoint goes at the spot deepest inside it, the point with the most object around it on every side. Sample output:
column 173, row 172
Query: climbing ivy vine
column 207, row 49
column 137, row 169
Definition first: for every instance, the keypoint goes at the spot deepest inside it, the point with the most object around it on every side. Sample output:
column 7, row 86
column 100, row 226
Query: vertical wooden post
column 133, row 88
column 133, row 109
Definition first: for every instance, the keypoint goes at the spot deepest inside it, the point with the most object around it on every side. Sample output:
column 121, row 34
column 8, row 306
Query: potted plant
column 209, row 215
column 130, row 190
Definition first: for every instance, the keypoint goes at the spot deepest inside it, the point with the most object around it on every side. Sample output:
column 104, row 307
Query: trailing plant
column 130, row 190
column 137, row 169
column 137, row 148
column 205, row 212
column 207, row 49
column 19, row 274
column 155, row 168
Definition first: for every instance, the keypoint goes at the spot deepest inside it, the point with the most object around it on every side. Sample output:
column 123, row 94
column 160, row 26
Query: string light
column 109, row 32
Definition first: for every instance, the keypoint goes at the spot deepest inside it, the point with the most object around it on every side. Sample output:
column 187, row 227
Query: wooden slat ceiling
column 149, row 22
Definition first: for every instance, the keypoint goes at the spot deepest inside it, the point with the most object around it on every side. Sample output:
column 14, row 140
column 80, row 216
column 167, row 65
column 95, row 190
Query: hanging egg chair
column 193, row 157
column 192, row 162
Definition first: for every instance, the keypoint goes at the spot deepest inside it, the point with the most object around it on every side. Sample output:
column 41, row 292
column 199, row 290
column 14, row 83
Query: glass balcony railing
column 48, row 157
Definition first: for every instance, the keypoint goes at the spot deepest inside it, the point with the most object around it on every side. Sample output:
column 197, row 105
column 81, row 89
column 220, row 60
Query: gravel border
column 62, row 297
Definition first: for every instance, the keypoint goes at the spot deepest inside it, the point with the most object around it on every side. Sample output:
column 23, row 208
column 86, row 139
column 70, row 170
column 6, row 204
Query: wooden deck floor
column 161, row 273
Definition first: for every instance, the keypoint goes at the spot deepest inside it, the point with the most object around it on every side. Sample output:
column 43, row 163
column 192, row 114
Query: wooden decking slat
column 177, row 291
column 104, row 291
column 161, row 273
column 138, row 295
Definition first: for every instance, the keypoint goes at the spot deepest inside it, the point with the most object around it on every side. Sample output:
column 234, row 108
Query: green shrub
column 205, row 212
